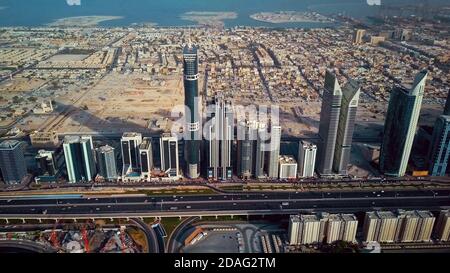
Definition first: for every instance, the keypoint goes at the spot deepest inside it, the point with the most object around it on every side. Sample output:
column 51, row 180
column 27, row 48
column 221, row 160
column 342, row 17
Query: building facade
column 400, row 126
column 329, row 122
column 347, row 118
column 130, row 152
column 191, row 101
column 12, row 161
column 306, row 159
column 146, row 158
column 439, row 151
column 169, row 155
column 220, row 135
column 442, row 228
column 288, row 167
column 106, row 161
column 274, row 151
column 79, row 158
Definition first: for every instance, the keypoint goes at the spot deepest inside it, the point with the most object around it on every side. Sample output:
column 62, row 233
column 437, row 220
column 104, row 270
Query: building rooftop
column 131, row 134
column 105, row 148
column 287, row 159
column 9, row 144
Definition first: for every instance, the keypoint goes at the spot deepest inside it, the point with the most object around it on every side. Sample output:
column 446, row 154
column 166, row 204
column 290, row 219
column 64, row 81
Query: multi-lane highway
column 187, row 205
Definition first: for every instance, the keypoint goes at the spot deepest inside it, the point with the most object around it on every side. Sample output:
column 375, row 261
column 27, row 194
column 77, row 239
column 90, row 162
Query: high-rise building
column 288, row 167
column 304, row 229
column 46, row 163
column 442, row 228
column 439, row 149
column 402, row 226
column 349, row 106
column 191, row 101
column 130, row 152
column 329, row 122
column 260, row 153
column 358, row 36
column 146, row 157
column 79, row 158
column 12, row 161
column 322, row 227
column 220, row 134
column 400, row 126
column 169, row 155
column 246, row 147
column 106, row 161
column 274, row 153
column 306, row 159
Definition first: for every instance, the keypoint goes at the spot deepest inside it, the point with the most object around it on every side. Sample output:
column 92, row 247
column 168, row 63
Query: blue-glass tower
column 191, row 101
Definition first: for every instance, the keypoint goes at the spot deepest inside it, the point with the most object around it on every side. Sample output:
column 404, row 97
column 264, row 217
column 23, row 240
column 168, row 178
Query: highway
column 252, row 203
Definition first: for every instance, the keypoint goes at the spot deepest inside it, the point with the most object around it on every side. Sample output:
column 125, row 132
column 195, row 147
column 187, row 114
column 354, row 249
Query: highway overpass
column 217, row 205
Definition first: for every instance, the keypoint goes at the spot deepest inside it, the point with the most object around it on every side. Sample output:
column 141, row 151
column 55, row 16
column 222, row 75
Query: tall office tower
column 408, row 224
column 442, row 228
column 439, row 151
column 146, row 157
column 169, row 155
column 288, row 167
column 130, row 152
column 306, row 159
column 246, row 145
column 260, row 151
column 191, row 99
column 329, row 121
column 400, row 126
column 106, row 161
column 358, row 35
column 46, row 162
column 12, row 161
column 220, row 136
column 79, row 159
column 304, row 229
column 347, row 117
column 274, row 153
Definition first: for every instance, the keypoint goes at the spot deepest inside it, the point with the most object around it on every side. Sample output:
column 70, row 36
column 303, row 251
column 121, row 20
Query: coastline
column 82, row 21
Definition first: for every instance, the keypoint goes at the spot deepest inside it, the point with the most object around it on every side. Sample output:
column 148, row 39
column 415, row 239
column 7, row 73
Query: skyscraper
column 400, row 126
column 12, row 161
column 347, row 117
column 79, row 158
column 246, row 145
column 46, row 162
column 146, row 157
column 439, row 150
column 274, row 153
column 329, row 122
column 260, row 151
column 106, row 161
column 169, row 155
column 130, row 152
column 306, row 159
column 220, row 136
column 191, row 101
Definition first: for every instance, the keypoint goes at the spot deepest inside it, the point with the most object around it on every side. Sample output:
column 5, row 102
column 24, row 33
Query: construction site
column 82, row 238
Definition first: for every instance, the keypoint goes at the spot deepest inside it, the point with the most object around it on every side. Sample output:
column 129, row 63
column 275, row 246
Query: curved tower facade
column 191, row 101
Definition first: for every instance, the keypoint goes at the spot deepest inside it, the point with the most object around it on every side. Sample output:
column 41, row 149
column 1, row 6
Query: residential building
column 288, row 167
column 306, row 159
column 106, row 161
column 169, row 155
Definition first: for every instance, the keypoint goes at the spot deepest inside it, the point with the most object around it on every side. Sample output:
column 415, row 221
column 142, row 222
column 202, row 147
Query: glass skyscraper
column 400, row 126
column 440, row 146
column 12, row 161
column 191, row 101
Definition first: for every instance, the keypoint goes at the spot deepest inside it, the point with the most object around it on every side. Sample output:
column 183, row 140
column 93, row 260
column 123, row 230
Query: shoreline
column 283, row 17
column 82, row 21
